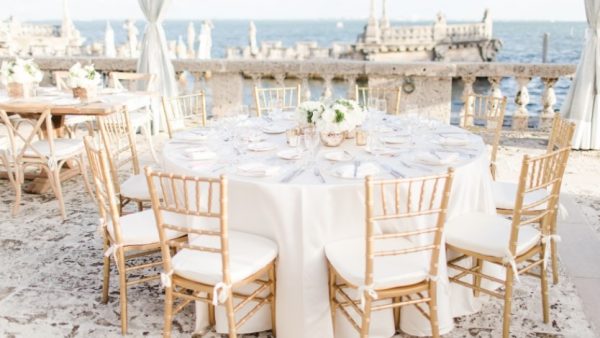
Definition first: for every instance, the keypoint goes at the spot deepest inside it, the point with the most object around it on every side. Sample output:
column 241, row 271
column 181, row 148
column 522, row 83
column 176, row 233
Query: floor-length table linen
column 304, row 215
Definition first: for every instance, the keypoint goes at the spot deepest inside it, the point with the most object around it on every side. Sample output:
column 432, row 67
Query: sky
column 469, row 10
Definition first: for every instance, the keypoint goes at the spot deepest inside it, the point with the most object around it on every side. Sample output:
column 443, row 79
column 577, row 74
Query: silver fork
column 317, row 173
column 356, row 165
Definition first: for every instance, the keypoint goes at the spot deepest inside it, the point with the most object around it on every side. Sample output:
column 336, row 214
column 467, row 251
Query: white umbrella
column 154, row 56
column 109, row 41
column 582, row 104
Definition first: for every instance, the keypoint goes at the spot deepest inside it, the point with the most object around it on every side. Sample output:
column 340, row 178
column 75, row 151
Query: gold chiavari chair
column 392, row 95
column 72, row 121
column 184, row 111
column 286, row 98
column 560, row 137
column 125, row 238
column 36, row 146
column 519, row 245
column 141, row 119
column 399, row 266
column 119, row 141
column 217, row 261
column 484, row 114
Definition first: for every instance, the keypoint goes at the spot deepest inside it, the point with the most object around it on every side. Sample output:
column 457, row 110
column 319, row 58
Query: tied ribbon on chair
column 510, row 259
column 443, row 281
column 546, row 239
column 112, row 250
column 165, row 279
column 220, row 293
column 52, row 163
column 370, row 290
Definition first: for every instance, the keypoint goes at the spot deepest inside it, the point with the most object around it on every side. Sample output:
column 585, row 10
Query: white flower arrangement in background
column 20, row 71
column 309, row 112
column 83, row 77
column 341, row 116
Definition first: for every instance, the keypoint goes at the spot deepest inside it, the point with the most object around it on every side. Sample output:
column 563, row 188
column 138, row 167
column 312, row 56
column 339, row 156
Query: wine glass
column 311, row 142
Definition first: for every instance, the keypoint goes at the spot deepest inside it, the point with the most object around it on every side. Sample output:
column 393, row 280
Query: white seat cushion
column 139, row 118
column 488, row 234
column 348, row 258
column 76, row 119
column 63, row 147
column 140, row 228
column 247, row 254
column 136, row 187
column 505, row 194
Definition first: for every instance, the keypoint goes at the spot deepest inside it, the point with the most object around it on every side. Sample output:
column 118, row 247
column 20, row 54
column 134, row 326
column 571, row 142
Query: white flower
column 20, row 71
column 309, row 112
column 340, row 116
column 84, row 77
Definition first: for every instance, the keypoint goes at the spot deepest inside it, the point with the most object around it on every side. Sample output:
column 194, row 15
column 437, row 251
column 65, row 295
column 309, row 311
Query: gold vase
column 330, row 139
column 19, row 90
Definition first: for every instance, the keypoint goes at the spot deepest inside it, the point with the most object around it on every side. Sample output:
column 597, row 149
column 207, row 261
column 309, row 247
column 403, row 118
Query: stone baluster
column 351, row 84
column 468, row 82
column 327, row 88
column 495, row 90
column 306, row 94
column 256, row 82
column 520, row 116
column 548, row 102
column 182, row 81
column 279, row 79
column 197, row 86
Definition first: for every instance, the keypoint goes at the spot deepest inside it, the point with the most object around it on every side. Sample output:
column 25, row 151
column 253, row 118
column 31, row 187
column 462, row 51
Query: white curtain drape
column 582, row 104
column 154, row 56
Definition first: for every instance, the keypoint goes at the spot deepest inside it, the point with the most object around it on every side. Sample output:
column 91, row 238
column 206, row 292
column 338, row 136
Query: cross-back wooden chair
column 72, row 122
column 37, row 147
column 392, row 95
column 127, row 238
column 119, row 141
column 184, row 111
column 561, row 136
column 520, row 244
column 284, row 98
column 399, row 264
column 141, row 119
column 484, row 114
column 217, row 261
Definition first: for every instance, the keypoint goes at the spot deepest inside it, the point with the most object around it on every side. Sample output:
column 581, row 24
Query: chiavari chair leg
column 433, row 314
column 16, row 180
column 105, row 273
column 554, row 252
column 55, row 177
column 211, row 312
column 477, row 279
column 332, row 304
column 84, row 175
column 544, row 289
column 507, row 302
column 169, row 311
column 273, row 281
column 366, row 318
column 230, row 315
column 397, row 314
column 123, row 289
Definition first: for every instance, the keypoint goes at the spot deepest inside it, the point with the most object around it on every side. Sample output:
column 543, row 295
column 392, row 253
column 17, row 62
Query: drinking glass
column 374, row 143
column 311, row 142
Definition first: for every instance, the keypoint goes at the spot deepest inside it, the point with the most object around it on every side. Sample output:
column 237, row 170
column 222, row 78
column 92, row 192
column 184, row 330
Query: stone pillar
column 306, row 94
column 327, row 87
column 468, row 82
column 520, row 116
column 351, row 83
column 495, row 90
column 548, row 102
column 227, row 91
column 256, row 82
column 280, row 79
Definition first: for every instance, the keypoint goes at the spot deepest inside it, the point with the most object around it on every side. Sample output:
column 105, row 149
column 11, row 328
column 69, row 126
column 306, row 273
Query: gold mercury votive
column 361, row 137
column 292, row 137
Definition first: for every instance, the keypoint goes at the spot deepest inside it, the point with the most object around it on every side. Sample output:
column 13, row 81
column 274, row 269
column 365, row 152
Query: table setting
column 291, row 183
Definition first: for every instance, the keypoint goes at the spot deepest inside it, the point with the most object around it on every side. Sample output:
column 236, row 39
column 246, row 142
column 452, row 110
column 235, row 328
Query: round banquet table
column 306, row 213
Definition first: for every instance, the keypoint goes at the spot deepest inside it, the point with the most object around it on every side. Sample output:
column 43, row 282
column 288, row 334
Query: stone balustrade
column 427, row 87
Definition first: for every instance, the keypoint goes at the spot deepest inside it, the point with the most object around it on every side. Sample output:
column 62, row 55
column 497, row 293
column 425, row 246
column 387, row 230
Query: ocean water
column 522, row 43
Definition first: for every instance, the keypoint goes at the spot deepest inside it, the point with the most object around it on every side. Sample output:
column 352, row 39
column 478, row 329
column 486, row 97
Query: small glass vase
column 84, row 93
column 330, row 139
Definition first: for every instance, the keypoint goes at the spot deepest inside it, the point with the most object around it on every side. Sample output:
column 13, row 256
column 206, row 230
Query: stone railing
column 437, row 89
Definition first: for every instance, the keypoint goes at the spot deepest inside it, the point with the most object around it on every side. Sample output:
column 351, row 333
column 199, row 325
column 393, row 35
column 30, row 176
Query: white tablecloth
column 302, row 216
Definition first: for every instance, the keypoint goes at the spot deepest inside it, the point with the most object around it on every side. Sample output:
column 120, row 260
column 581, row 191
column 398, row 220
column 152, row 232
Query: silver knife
column 392, row 171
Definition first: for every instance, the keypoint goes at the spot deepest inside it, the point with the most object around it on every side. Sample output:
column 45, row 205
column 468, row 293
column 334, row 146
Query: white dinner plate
column 394, row 139
column 274, row 129
column 261, row 146
column 257, row 169
column 363, row 170
column 338, row 156
column 290, row 154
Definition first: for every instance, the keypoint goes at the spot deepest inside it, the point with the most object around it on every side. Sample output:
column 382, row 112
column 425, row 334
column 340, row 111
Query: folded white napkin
column 364, row 170
column 453, row 140
column 338, row 155
column 66, row 101
column 290, row 154
column 274, row 129
column 200, row 154
column 436, row 157
column 189, row 136
column 257, row 169
column 396, row 139
column 261, row 146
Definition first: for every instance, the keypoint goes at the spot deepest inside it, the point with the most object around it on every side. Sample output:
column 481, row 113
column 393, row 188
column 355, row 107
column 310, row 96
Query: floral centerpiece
column 19, row 76
column 309, row 111
column 84, row 80
column 337, row 120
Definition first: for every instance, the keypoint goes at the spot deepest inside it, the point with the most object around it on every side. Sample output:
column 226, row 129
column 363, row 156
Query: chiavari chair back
column 404, row 223
column 119, row 141
column 282, row 98
column 184, row 111
column 61, row 78
column 392, row 95
column 561, row 135
column 190, row 266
